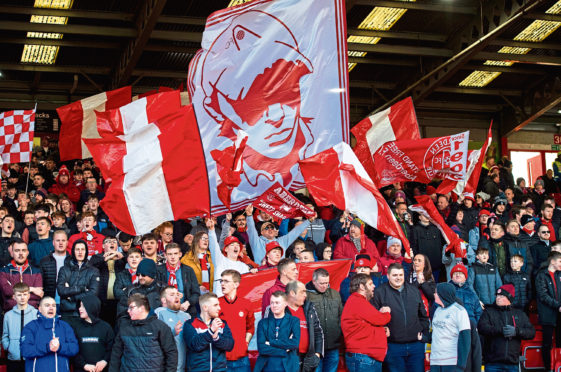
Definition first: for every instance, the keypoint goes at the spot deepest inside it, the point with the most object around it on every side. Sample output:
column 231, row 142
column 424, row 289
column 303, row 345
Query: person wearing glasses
column 144, row 343
column 147, row 286
column 165, row 234
column 198, row 258
column 238, row 313
column 541, row 249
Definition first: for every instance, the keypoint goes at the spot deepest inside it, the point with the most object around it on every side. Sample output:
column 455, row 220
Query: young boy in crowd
column 88, row 234
column 484, row 277
column 59, row 222
column 14, row 320
column 521, row 282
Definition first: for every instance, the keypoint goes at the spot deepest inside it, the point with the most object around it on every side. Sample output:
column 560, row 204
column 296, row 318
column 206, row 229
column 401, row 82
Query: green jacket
column 329, row 308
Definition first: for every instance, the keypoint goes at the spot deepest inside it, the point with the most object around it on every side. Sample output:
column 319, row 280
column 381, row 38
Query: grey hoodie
column 12, row 329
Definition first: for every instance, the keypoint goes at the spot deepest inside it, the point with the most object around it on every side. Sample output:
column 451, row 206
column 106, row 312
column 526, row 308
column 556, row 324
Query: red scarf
column 528, row 231
column 134, row 277
column 553, row 235
column 172, row 280
column 21, row 268
column 205, row 267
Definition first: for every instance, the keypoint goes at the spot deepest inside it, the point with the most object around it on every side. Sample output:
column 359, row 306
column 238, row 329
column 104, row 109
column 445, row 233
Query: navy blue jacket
column 278, row 348
column 203, row 352
column 470, row 301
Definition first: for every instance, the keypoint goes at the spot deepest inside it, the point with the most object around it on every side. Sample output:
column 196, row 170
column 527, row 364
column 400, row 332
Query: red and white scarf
column 172, row 280
column 134, row 277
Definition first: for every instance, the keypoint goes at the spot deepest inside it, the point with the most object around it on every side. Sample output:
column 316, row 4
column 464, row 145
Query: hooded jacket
column 428, row 240
column 35, row 341
column 539, row 252
column 76, row 281
column 204, row 353
column 95, row 338
column 329, row 309
column 144, row 345
column 69, row 188
column 498, row 348
column 345, row 248
column 13, row 321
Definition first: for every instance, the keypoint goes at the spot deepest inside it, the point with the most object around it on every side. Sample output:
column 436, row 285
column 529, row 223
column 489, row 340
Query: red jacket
column 266, row 301
column 71, row 190
column 95, row 242
column 386, row 260
column 345, row 248
column 363, row 328
column 239, row 316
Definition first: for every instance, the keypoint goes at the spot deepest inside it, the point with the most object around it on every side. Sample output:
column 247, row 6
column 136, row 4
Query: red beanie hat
column 272, row 245
column 459, row 268
column 508, row 291
column 63, row 170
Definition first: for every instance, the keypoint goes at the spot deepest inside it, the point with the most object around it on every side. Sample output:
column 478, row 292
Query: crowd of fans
column 77, row 291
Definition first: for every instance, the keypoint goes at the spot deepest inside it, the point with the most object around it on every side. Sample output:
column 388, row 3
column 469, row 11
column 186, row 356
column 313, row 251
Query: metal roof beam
column 525, row 44
column 405, row 35
column 428, row 6
column 544, row 16
column 524, row 58
column 400, row 50
column 69, row 29
column 63, row 43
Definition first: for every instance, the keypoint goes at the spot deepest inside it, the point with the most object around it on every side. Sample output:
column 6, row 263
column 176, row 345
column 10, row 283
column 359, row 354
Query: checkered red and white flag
column 16, row 136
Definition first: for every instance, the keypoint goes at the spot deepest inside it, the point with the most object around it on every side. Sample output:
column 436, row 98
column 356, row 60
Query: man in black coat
column 144, row 343
column 427, row 239
column 548, row 293
column 182, row 277
column 503, row 327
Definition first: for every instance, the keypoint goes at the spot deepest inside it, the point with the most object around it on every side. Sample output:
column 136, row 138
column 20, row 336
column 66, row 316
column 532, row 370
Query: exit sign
column 557, row 139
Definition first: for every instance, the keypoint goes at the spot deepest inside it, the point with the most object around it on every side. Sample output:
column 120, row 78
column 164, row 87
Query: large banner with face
column 276, row 69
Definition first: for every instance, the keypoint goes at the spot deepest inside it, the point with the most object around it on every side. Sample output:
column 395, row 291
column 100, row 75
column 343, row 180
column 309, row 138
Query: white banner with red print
column 276, row 70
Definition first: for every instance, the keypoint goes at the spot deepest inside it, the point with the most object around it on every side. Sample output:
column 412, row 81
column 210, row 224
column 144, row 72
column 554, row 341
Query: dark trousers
column 547, row 342
column 15, row 366
column 474, row 358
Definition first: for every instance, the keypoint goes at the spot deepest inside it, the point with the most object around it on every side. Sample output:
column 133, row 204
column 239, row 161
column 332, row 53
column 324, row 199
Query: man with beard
column 170, row 313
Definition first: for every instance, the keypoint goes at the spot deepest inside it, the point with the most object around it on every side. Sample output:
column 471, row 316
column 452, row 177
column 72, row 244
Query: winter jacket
column 428, row 240
column 345, row 288
column 48, row 270
column 386, row 260
column 14, row 321
column 408, row 316
column 98, row 261
column 278, row 346
column 74, row 282
column 362, row 326
column 93, row 239
column 345, row 248
column 484, row 278
column 152, row 292
column 316, row 342
column 530, row 240
column 191, row 290
column 426, row 289
column 5, row 256
column 329, row 309
column 69, row 188
column 122, row 281
column 40, row 248
column 498, row 253
column 9, row 275
column 204, row 353
column 470, row 301
column 95, row 338
column 144, row 345
column 548, row 296
column 471, row 216
column 539, row 252
column 516, row 245
column 522, row 288
column 498, row 348
column 194, row 263
column 266, row 300
column 35, row 341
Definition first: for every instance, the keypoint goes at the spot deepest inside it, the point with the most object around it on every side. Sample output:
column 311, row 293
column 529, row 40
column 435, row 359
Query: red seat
column 532, row 352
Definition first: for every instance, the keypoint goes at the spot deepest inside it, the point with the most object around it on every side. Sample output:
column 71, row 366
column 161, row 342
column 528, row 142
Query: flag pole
column 29, row 162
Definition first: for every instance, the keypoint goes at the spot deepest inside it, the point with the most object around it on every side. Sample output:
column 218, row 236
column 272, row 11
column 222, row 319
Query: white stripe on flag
column 144, row 185
column 381, row 130
column 89, row 121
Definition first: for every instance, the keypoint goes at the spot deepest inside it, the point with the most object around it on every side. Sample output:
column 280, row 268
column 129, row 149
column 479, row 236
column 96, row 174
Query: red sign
column 281, row 204
column 557, row 139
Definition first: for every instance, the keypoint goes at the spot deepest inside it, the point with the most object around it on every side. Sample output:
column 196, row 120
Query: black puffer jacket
column 95, row 338
column 145, row 345
column 522, row 288
column 5, row 257
column 409, row 316
column 76, row 281
column 516, row 245
column 152, row 292
column 539, row 252
column 48, row 270
column 329, row 308
column 548, row 299
column 470, row 216
column 122, row 282
column 500, row 349
column 428, row 240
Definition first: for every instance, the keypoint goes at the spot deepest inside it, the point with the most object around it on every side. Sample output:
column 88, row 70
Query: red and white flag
column 281, row 204
column 426, row 208
column 278, row 71
column 397, row 123
column 16, row 136
column 78, row 121
column 474, row 166
column 151, row 149
column 336, row 177
column 421, row 160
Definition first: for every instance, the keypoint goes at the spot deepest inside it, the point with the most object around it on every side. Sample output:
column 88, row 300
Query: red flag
column 281, row 204
column 474, row 166
column 336, row 177
column 397, row 123
column 143, row 151
column 426, row 207
column 78, row 121
column 16, row 136
column 421, row 160
column 253, row 286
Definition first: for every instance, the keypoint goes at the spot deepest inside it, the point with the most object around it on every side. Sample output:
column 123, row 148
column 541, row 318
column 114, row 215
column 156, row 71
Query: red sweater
column 363, row 328
column 239, row 316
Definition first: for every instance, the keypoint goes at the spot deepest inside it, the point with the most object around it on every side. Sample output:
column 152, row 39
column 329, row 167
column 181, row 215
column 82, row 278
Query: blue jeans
column 443, row 368
column 362, row 363
column 329, row 362
column 405, row 357
column 500, row 367
column 240, row 365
